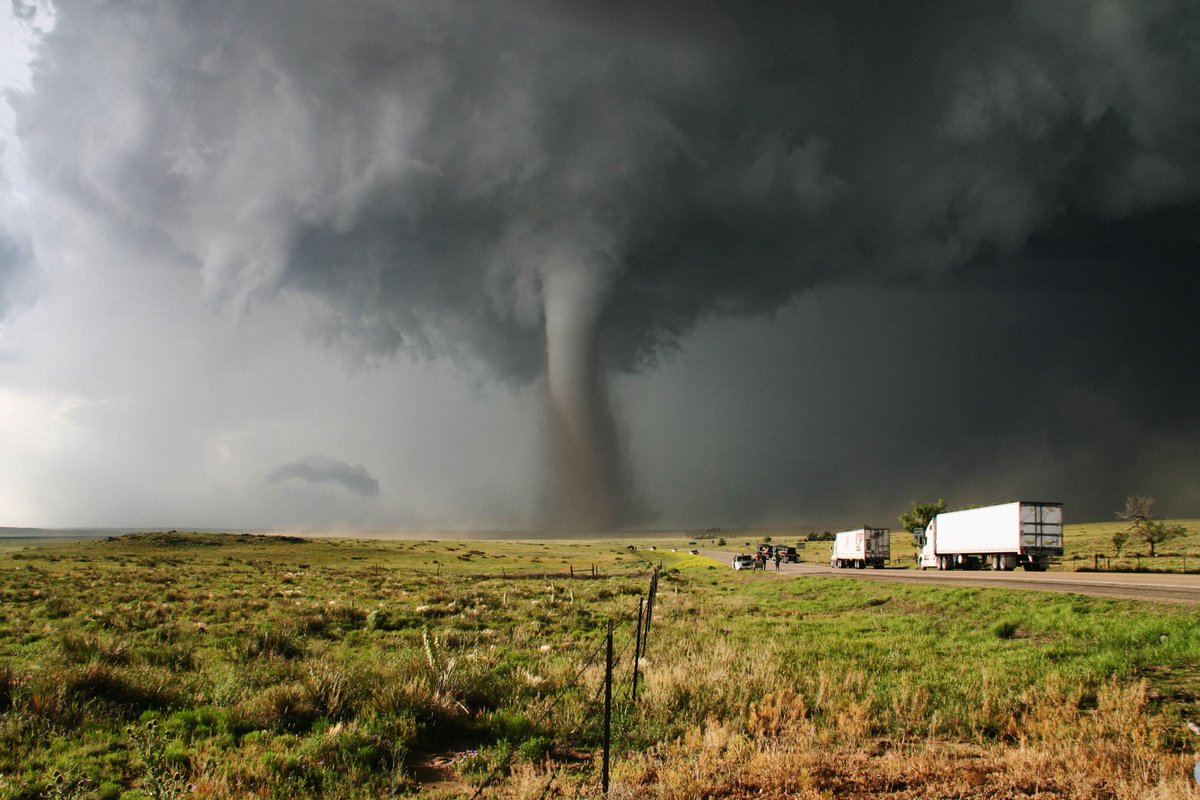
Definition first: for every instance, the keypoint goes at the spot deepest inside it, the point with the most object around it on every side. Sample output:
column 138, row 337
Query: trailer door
column 1042, row 527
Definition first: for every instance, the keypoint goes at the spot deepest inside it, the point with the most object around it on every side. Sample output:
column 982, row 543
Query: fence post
column 651, row 595
column 608, row 665
column 637, row 650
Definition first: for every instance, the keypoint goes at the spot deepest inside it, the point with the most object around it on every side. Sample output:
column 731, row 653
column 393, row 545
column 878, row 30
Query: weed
column 1005, row 629
column 164, row 775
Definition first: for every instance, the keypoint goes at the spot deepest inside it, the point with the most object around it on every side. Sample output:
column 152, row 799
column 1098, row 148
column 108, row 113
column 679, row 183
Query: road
column 1133, row 585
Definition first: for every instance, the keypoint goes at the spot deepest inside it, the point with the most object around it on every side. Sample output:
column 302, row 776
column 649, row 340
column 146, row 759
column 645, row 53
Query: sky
column 582, row 266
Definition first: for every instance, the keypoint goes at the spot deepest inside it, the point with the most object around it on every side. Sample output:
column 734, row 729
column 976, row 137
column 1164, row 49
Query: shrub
column 175, row 656
column 9, row 681
column 58, row 608
column 272, row 641
column 285, row 707
column 121, row 689
column 1005, row 629
column 535, row 749
column 333, row 689
column 511, row 725
column 80, row 649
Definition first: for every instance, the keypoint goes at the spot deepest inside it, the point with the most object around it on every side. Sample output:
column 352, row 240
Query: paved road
column 1135, row 585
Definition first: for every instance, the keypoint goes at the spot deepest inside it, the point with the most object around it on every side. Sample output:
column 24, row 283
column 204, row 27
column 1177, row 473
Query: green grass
column 332, row 667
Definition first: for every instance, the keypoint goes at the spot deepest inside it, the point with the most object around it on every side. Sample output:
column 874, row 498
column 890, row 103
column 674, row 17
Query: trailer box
column 1001, row 537
column 861, row 548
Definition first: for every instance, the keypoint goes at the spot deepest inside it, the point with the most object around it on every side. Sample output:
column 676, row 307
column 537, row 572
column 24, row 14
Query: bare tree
column 1138, row 511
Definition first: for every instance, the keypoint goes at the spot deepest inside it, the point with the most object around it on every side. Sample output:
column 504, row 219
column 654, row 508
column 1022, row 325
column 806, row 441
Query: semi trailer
column 861, row 548
column 1003, row 537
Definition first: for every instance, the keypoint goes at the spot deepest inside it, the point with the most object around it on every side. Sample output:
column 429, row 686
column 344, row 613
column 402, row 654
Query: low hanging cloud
column 318, row 469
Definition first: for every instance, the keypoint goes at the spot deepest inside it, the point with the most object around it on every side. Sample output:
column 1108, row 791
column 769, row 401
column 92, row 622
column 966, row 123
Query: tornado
column 583, row 488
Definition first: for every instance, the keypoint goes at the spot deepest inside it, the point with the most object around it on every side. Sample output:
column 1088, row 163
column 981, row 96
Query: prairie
column 220, row 665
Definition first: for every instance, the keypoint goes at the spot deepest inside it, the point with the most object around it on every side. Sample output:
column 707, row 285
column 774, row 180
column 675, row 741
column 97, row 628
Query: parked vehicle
column 861, row 548
column 694, row 552
column 1003, row 537
column 788, row 554
column 742, row 561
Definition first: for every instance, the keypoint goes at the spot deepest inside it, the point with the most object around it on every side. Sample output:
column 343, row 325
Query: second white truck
column 1023, row 533
column 863, row 547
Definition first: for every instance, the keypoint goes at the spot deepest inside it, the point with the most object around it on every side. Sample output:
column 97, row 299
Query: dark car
column 789, row 554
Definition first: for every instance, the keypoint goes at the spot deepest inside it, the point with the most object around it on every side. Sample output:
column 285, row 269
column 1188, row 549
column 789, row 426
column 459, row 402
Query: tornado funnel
column 582, row 491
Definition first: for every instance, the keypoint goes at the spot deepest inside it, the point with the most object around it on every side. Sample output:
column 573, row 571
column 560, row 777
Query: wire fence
column 594, row 710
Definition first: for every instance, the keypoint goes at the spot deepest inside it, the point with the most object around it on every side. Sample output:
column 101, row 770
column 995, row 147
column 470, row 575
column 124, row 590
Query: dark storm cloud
column 450, row 178
column 423, row 166
column 317, row 468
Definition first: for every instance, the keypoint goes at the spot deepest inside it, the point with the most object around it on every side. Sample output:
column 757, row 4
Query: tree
column 1119, row 539
column 1155, row 532
column 1139, row 513
column 920, row 515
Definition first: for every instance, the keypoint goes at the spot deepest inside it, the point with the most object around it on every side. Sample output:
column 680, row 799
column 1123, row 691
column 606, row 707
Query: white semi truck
column 861, row 548
column 1003, row 537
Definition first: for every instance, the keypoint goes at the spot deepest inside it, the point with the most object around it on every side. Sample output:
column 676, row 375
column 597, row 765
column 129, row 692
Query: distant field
column 283, row 667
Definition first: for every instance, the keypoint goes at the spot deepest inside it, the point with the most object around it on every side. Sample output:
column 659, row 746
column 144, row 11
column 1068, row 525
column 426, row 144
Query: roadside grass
column 283, row 667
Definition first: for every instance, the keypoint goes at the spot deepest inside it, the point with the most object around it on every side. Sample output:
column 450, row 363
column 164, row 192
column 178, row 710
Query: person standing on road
column 778, row 558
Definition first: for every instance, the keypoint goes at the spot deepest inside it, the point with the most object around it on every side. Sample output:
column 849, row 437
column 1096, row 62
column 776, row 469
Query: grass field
column 208, row 665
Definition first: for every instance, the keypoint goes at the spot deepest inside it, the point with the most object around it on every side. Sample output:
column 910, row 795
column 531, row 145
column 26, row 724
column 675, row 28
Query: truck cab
column 927, row 542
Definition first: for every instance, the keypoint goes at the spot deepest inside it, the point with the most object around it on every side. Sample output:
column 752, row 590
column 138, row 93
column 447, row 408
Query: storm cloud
column 316, row 468
column 569, row 190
